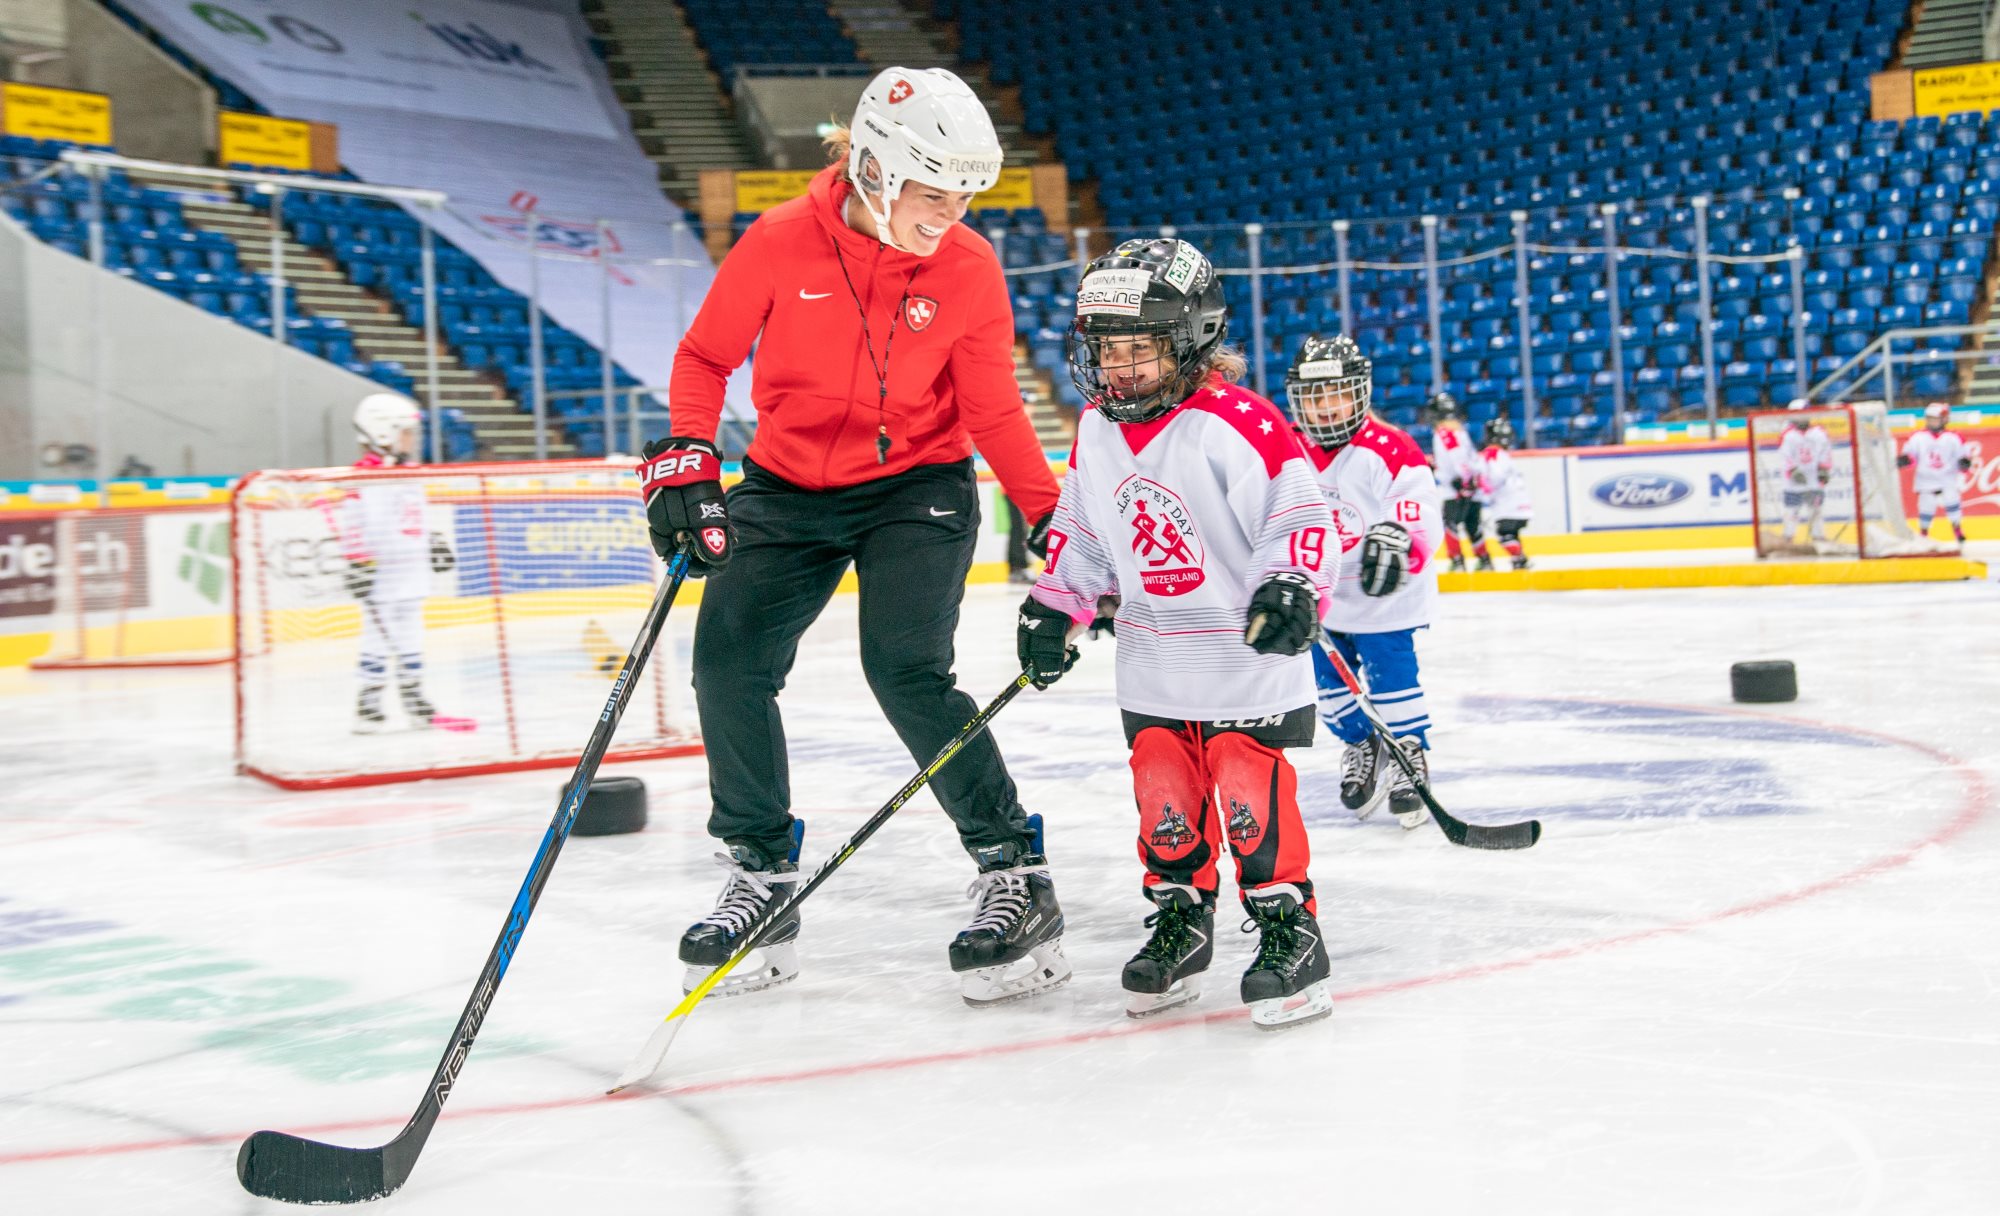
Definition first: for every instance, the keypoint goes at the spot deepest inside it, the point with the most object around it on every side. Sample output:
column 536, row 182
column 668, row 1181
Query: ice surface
column 1751, row 967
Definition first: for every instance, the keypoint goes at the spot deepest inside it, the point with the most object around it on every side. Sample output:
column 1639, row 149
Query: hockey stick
column 296, row 1170
column 647, row 1062
column 1472, row 835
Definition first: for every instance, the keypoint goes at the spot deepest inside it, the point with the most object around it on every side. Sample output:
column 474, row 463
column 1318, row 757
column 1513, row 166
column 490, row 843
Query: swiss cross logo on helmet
column 920, row 312
column 900, row 92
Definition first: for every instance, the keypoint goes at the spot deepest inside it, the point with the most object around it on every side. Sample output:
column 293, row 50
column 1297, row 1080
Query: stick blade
column 1503, row 836
column 647, row 1062
column 295, row 1170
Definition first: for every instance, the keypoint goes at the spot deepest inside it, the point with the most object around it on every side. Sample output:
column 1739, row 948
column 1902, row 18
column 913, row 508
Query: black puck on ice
column 1764, row 680
column 613, row 806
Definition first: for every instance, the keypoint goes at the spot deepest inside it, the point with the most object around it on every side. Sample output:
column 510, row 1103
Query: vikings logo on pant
column 1172, row 831
column 1243, row 827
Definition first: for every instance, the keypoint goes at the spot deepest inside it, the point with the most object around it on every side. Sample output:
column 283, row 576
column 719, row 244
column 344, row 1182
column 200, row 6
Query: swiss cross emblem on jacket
column 921, row 311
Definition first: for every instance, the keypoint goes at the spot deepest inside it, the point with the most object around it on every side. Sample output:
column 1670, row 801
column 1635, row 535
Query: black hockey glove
column 1038, row 536
column 1284, row 615
column 681, row 482
column 1385, row 559
column 1042, row 641
column 1965, row 464
column 360, row 577
column 1825, row 475
column 442, row 559
column 1461, row 487
column 1106, row 621
column 1903, row 460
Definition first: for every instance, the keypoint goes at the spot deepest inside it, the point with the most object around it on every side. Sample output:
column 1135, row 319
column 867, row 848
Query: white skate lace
column 745, row 894
column 1003, row 897
column 1358, row 764
column 1400, row 780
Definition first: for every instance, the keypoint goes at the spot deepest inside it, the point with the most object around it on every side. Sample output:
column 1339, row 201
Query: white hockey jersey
column 1453, row 454
column 1184, row 517
column 1934, row 461
column 1805, row 454
column 1503, row 491
column 383, row 522
column 1380, row 477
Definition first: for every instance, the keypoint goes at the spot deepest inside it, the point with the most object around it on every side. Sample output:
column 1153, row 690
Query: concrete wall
column 159, row 109
column 32, row 23
column 782, row 114
column 183, row 391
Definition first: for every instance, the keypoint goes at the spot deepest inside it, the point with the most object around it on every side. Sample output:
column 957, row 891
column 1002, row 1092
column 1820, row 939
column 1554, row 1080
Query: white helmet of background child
column 381, row 419
column 924, row 126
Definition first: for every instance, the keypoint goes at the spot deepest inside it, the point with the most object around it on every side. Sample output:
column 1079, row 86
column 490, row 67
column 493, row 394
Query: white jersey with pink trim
column 1380, row 477
column 1805, row 452
column 1503, row 491
column 1453, row 454
column 383, row 522
column 1184, row 518
column 1934, row 462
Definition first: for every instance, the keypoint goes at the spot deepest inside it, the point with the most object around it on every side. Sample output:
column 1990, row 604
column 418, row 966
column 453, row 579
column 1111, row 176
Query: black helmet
column 1326, row 370
column 1443, row 406
column 1499, row 433
column 1157, row 287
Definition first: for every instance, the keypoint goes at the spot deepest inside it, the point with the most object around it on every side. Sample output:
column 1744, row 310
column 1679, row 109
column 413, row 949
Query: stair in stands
column 320, row 288
column 680, row 112
column 1947, row 32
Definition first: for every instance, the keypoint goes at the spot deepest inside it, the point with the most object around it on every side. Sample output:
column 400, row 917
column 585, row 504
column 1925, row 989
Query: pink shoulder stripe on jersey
column 1392, row 444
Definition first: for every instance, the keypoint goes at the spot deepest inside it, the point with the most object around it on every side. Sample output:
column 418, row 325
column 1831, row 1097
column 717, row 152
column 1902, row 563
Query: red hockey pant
column 1194, row 787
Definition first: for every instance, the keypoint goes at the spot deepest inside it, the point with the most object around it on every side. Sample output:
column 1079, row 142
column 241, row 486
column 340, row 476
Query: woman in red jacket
column 885, row 355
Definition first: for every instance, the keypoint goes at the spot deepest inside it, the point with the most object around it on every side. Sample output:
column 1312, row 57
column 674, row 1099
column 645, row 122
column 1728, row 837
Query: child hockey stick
column 1477, row 836
column 647, row 1062
column 296, row 1170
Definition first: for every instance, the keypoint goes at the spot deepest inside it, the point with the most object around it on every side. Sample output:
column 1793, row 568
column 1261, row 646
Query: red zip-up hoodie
column 951, row 367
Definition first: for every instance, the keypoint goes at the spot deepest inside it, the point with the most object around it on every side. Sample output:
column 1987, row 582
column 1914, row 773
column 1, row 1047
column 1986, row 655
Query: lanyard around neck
column 868, row 344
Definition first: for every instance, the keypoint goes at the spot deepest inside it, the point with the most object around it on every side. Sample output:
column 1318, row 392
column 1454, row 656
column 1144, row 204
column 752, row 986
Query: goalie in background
column 1807, row 456
column 1385, row 507
column 390, row 557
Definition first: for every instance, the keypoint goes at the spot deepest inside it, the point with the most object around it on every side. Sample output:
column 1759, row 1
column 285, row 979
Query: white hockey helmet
column 1937, row 412
column 381, row 419
column 922, row 125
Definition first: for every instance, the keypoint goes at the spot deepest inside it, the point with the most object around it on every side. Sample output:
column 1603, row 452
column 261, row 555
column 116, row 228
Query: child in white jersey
column 1938, row 455
column 1190, row 499
column 1807, row 454
column 1386, row 511
column 1503, row 492
column 1452, row 461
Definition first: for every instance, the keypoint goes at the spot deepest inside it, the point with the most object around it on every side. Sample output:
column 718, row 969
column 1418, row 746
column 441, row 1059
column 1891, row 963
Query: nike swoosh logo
column 806, row 295
column 935, row 511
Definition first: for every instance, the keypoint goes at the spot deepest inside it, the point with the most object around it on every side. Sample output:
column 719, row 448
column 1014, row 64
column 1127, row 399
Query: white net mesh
column 403, row 623
column 1826, row 485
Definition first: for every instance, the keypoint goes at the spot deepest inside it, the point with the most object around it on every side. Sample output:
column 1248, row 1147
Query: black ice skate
column 1404, row 801
column 368, row 716
column 1520, row 563
column 754, row 883
column 1013, row 947
column 1289, row 982
column 1361, row 786
column 1484, row 563
column 421, row 711
column 1458, row 565
column 1166, row 973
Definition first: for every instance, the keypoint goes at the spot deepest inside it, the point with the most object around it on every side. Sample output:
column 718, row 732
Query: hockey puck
column 1764, row 681
column 613, row 806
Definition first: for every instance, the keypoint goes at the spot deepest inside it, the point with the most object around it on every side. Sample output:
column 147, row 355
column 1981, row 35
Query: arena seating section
column 1203, row 114
column 770, row 32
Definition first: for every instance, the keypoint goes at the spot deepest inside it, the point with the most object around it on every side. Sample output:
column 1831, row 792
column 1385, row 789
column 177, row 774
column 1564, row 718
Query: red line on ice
column 1974, row 805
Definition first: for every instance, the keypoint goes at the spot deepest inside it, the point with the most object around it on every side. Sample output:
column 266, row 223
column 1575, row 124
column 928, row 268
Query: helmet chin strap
column 881, row 219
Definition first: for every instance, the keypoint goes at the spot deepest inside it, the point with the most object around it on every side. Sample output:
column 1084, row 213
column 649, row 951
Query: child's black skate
column 754, row 883
column 1013, row 947
column 1361, row 785
column 1289, row 982
column 1166, row 973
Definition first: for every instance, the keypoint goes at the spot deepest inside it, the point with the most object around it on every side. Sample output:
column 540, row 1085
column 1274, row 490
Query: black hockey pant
column 909, row 538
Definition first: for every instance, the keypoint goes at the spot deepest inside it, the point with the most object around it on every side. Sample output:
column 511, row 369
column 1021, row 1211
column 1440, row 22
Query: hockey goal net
column 1823, row 483
column 136, row 587
column 395, row 624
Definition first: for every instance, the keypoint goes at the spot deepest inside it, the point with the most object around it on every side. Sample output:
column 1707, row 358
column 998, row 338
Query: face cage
column 1089, row 377
column 1329, row 434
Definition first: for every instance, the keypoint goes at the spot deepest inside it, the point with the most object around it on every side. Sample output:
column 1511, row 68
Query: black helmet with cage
column 1158, row 288
column 1444, row 407
column 1328, row 388
column 1499, row 433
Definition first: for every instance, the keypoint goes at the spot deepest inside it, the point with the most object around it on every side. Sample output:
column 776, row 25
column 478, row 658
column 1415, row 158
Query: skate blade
column 1185, row 991
column 1368, row 808
column 371, row 728
column 1412, row 820
column 1310, row 1004
column 1044, row 969
column 767, row 967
